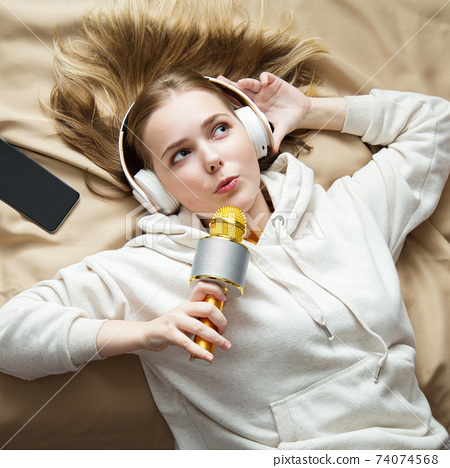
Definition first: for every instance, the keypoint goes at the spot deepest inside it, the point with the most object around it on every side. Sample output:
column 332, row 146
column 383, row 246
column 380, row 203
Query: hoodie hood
column 174, row 236
column 290, row 185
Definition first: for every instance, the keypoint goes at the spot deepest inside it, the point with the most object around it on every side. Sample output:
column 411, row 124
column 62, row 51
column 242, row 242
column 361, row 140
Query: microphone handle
column 202, row 342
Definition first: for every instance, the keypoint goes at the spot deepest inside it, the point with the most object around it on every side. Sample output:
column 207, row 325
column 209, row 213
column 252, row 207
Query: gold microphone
column 222, row 259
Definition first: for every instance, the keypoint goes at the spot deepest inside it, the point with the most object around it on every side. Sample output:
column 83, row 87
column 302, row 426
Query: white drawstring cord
column 284, row 236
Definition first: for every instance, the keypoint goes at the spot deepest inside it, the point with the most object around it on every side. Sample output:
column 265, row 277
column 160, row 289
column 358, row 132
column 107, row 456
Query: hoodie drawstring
column 313, row 310
column 305, row 301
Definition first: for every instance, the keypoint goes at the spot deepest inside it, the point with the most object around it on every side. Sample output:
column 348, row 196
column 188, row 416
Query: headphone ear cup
column 255, row 129
column 155, row 190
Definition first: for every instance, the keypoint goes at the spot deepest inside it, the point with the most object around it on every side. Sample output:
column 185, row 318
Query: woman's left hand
column 284, row 105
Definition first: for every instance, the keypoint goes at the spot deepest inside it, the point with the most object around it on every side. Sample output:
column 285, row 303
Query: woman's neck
column 259, row 214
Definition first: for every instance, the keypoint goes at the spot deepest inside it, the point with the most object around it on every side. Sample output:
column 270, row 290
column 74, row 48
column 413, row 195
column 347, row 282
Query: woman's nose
column 213, row 160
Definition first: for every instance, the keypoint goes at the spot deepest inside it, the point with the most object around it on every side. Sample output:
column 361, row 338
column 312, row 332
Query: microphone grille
column 230, row 222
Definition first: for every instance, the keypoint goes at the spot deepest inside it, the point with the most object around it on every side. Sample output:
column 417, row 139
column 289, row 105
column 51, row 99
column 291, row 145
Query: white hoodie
column 322, row 350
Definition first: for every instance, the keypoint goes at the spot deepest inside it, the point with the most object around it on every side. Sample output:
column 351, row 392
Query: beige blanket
column 399, row 45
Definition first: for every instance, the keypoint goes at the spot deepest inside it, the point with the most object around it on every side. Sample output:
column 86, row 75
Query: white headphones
column 147, row 188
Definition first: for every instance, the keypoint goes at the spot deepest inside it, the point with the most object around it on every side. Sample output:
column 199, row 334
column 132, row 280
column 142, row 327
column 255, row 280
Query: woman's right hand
column 284, row 105
column 288, row 109
column 174, row 328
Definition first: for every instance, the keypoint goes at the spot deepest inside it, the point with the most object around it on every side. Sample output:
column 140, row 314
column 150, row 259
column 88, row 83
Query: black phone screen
column 32, row 190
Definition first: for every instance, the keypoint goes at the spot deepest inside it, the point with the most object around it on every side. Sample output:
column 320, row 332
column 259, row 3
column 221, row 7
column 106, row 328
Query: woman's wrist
column 325, row 114
column 117, row 337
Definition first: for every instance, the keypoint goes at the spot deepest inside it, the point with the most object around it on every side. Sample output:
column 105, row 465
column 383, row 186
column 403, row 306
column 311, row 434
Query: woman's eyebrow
column 174, row 145
column 211, row 119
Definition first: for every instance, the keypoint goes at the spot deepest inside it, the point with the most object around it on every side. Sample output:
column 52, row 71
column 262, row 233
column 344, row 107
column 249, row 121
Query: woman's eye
column 220, row 130
column 180, row 156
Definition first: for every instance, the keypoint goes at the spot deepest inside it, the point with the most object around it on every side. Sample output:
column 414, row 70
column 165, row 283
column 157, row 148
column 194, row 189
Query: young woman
column 319, row 351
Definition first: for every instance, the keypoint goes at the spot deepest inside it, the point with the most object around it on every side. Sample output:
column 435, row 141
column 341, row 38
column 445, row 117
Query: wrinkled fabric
column 322, row 350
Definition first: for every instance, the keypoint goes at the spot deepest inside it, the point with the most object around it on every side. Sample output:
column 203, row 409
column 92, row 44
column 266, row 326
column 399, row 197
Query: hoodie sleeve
column 52, row 327
column 402, row 185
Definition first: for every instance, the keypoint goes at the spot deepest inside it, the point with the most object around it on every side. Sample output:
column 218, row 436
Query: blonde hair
column 125, row 44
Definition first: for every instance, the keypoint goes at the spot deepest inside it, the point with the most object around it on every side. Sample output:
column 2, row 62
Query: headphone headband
column 152, row 194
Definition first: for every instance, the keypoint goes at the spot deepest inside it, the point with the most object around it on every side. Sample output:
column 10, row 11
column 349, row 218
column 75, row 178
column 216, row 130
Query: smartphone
column 32, row 190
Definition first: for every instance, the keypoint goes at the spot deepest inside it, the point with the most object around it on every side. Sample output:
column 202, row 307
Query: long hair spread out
column 125, row 44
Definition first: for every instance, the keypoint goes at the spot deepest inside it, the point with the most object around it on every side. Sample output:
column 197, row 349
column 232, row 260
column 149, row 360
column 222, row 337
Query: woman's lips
column 227, row 185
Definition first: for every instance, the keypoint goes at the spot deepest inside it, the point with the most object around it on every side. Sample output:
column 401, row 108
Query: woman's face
column 202, row 154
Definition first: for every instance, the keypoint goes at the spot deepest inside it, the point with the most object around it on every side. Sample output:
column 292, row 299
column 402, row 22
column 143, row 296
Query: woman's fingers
column 226, row 80
column 266, row 78
column 203, row 289
column 177, row 326
column 249, row 84
column 195, row 350
column 184, row 323
column 192, row 326
column 205, row 310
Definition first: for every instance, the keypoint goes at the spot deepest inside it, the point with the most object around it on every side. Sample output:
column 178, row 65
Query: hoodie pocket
column 350, row 401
